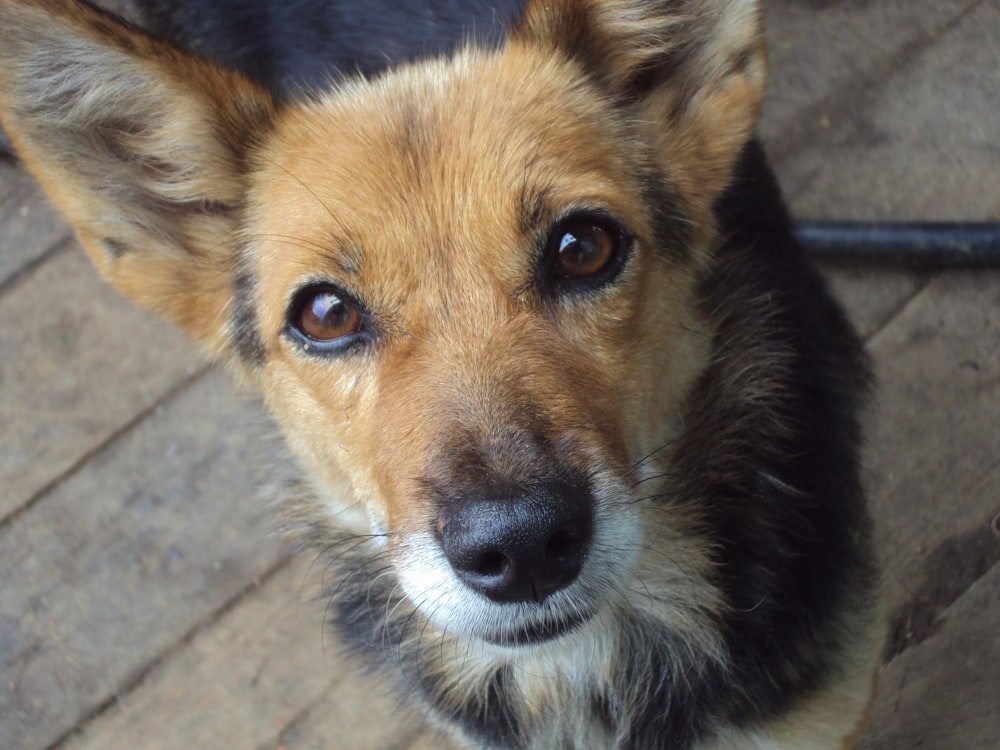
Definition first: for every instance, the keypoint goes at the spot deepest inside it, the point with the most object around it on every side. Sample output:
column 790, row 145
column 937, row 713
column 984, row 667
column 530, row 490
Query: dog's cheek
column 397, row 448
column 646, row 344
column 669, row 349
column 323, row 410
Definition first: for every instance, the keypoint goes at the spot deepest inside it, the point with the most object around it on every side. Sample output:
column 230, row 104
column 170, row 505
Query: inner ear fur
column 143, row 147
column 692, row 71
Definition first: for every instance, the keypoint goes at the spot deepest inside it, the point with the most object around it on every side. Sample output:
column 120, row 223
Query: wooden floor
column 144, row 602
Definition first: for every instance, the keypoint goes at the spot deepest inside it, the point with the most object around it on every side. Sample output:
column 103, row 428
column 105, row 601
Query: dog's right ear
column 691, row 72
column 143, row 148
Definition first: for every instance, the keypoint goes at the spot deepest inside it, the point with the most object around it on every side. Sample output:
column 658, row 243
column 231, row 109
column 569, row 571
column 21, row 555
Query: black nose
column 519, row 549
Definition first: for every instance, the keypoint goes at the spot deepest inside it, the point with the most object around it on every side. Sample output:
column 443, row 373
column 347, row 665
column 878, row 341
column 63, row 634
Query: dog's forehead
column 439, row 163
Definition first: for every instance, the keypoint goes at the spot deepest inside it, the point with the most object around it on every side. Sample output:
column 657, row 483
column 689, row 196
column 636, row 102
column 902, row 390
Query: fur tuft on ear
column 142, row 147
column 693, row 70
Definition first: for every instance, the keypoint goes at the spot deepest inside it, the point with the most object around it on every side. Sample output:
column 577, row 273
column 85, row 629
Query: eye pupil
column 325, row 316
column 585, row 249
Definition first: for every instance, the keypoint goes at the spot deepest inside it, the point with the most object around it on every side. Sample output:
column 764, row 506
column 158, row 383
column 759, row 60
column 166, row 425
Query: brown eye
column 585, row 248
column 585, row 251
column 323, row 315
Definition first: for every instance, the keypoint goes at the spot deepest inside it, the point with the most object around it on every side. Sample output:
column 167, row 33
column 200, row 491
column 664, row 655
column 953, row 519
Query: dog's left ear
column 693, row 70
column 143, row 147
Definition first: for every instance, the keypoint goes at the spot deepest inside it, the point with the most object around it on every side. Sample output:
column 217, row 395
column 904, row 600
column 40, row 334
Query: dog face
column 465, row 288
column 507, row 327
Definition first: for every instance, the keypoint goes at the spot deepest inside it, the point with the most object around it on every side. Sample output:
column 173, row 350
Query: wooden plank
column 359, row 713
column 113, row 568
column 934, row 465
column 246, row 680
column 77, row 362
column 29, row 225
column 920, row 145
column 820, row 57
column 943, row 693
column 348, row 721
column 825, row 56
column 871, row 296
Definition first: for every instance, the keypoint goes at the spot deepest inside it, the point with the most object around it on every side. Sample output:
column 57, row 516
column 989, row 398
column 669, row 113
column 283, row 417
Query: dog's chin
column 534, row 634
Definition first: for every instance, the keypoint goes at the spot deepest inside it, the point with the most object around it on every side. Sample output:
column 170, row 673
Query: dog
column 578, row 423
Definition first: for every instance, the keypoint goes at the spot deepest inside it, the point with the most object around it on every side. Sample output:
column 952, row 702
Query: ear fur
column 693, row 70
column 140, row 145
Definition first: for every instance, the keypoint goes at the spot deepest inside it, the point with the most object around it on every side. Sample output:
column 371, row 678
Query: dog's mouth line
column 533, row 634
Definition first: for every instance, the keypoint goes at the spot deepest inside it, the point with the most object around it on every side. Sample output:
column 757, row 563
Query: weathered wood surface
column 29, row 226
column 920, row 141
column 827, row 56
column 145, row 604
column 256, row 678
column 124, row 559
column 942, row 694
column 935, row 461
column 78, row 363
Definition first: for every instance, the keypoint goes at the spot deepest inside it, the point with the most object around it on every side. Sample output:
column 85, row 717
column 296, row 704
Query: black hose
column 917, row 244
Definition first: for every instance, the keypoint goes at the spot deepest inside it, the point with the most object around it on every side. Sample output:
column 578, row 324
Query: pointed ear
column 143, row 148
column 694, row 70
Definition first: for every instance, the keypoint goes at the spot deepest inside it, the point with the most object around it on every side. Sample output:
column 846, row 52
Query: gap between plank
column 62, row 245
column 176, row 390
column 131, row 684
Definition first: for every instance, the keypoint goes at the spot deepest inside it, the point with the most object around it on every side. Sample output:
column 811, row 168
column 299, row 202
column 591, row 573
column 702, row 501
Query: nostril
column 491, row 564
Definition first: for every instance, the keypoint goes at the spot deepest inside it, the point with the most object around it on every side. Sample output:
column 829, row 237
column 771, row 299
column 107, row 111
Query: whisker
column 287, row 239
column 642, row 461
column 311, row 192
column 653, row 478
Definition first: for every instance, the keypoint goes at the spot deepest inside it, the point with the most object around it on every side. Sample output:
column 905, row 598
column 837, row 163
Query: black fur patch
column 365, row 613
column 769, row 456
column 670, row 220
column 245, row 337
column 116, row 248
column 681, row 695
column 307, row 43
